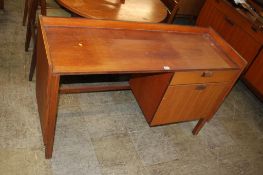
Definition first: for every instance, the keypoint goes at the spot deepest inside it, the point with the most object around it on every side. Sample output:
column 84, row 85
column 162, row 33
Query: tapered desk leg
column 199, row 126
column 47, row 93
column 47, row 99
column 51, row 115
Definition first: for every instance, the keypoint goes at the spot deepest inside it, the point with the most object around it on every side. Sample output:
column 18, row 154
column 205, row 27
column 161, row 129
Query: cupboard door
column 210, row 16
column 189, row 102
column 244, row 44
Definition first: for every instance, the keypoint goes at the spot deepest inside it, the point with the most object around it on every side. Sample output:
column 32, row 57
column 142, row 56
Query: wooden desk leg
column 47, row 93
column 51, row 115
column 199, row 126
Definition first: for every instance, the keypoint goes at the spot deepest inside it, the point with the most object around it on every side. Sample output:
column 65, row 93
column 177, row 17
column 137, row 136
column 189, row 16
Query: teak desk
column 178, row 73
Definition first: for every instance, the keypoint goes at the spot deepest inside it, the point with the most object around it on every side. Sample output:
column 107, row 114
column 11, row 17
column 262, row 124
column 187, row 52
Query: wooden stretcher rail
column 85, row 89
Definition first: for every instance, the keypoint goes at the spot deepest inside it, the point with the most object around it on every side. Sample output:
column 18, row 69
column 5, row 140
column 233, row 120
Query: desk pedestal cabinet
column 178, row 73
column 188, row 96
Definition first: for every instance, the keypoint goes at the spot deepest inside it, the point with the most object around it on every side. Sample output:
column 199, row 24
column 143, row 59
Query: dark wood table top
column 81, row 45
column 131, row 10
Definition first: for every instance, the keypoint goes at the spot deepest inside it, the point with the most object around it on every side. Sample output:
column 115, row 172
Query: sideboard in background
column 243, row 32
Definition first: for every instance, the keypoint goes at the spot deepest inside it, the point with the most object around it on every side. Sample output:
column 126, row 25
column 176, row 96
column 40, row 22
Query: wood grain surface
column 102, row 50
column 150, row 53
column 131, row 10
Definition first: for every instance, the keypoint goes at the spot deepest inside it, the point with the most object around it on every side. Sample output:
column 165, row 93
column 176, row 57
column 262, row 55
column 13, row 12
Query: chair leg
column 31, row 22
column 28, row 36
column 33, row 61
column 25, row 12
column 43, row 6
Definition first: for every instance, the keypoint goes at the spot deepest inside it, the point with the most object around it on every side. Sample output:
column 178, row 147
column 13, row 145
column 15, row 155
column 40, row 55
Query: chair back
column 172, row 8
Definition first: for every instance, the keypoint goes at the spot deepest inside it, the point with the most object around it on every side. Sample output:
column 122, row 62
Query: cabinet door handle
column 229, row 21
column 207, row 74
column 200, row 87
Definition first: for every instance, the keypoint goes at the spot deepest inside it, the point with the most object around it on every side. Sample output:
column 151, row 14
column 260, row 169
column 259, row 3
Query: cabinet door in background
column 226, row 25
column 210, row 16
column 244, row 44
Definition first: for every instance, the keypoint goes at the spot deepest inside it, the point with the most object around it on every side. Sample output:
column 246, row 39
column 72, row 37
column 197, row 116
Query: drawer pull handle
column 207, row 74
column 200, row 87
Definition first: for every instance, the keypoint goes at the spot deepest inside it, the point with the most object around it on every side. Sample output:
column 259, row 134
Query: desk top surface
column 82, row 46
column 130, row 10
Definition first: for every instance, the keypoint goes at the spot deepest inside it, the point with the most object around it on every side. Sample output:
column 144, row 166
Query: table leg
column 51, row 115
column 47, row 93
column 199, row 126
column 47, row 99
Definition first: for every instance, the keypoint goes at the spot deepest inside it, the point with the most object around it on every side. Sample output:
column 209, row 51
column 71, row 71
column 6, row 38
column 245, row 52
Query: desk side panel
column 42, row 72
column 149, row 90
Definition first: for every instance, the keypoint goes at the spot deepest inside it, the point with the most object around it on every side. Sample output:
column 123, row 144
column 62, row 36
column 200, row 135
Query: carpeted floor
column 106, row 133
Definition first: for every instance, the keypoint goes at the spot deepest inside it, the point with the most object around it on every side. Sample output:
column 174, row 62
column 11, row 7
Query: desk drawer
column 203, row 77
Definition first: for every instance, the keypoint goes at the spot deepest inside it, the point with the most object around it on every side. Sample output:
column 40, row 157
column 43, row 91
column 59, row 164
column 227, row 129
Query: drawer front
column 203, row 77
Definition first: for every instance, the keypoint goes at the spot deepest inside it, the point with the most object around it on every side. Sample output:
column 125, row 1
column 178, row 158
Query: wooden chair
column 25, row 12
column 31, row 15
column 43, row 5
column 28, row 3
column 172, row 8
column 32, row 6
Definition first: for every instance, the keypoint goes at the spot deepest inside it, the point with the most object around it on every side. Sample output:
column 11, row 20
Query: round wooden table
column 129, row 10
